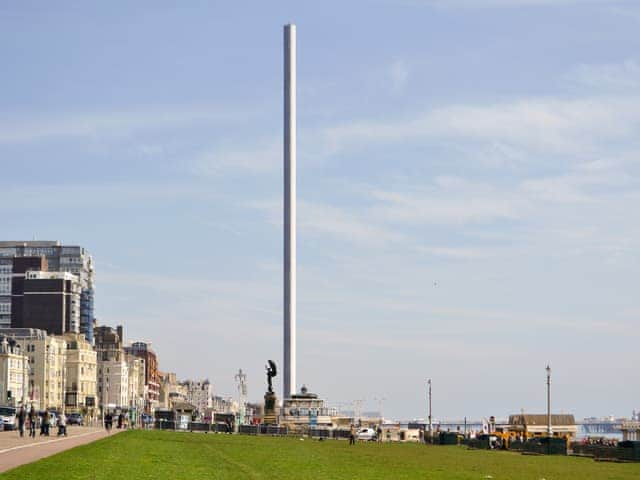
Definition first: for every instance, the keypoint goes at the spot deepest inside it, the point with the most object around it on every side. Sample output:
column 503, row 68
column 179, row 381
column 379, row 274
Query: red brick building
column 151, row 375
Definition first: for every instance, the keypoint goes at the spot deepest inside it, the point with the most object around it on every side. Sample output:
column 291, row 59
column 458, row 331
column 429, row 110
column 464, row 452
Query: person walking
column 352, row 435
column 22, row 418
column 45, row 424
column 33, row 420
column 62, row 425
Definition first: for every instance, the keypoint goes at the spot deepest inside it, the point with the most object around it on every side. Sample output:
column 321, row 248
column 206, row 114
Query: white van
column 8, row 418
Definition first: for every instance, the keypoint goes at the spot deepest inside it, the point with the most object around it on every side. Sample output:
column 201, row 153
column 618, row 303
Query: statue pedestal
column 270, row 417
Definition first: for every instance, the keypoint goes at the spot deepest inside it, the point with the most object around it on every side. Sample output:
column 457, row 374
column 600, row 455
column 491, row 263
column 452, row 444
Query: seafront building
column 168, row 389
column 198, row 393
column 108, row 342
column 530, row 425
column 113, row 383
column 46, row 305
column 13, row 303
column 113, row 371
column 137, row 387
column 51, row 302
column 305, row 408
column 224, row 404
column 47, row 355
column 13, row 372
column 6, row 274
column 81, row 374
column 144, row 351
column 42, row 299
column 59, row 258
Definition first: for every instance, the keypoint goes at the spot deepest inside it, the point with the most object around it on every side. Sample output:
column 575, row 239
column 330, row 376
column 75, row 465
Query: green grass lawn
column 169, row 455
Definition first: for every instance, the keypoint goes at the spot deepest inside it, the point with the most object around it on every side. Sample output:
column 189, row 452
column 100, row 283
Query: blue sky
column 467, row 185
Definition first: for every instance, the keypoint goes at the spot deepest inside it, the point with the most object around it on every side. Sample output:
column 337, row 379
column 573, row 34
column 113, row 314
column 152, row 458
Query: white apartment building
column 113, row 383
column 136, row 385
column 81, row 373
column 13, row 373
column 46, row 361
column 198, row 393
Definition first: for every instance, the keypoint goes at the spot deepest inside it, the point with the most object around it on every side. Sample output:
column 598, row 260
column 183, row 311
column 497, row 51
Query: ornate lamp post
column 241, row 378
column 548, row 400
column 430, row 423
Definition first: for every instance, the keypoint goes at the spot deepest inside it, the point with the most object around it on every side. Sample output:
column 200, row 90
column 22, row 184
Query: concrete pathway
column 16, row 451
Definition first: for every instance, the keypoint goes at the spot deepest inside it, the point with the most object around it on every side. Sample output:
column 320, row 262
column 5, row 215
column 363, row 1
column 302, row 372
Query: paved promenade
column 16, row 451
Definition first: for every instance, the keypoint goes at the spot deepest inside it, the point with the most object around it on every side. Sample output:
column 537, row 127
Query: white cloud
column 613, row 76
column 345, row 223
column 445, row 206
column 575, row 187
column 538, row 125
column 21, row 129
column 261, row 158
column 224, row 297
column 113, row 195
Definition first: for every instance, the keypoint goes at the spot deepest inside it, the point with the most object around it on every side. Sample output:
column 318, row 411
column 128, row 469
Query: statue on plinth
column 269, row 416
column 271, row 372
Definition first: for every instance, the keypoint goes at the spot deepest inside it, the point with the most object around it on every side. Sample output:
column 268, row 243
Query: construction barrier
column 626, row 451
column 545, row 446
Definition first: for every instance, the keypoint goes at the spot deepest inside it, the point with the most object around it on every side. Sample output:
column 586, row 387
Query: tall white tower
column 289, row 370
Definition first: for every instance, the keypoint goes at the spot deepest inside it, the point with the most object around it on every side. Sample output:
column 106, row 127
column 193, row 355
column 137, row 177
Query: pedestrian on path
column 22, row 418
column 62, row 425
column 45, row 424
column 33, row 419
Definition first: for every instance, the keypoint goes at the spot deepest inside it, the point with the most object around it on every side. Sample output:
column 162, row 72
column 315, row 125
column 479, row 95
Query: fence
column 545, row 446
column 262, row 430
column 626, row 451
column 192, row 426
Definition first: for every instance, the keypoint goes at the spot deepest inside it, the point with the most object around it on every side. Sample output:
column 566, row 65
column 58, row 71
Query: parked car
column 8, row 418
column 146, row 419
column 75, row 418
column 367, row 434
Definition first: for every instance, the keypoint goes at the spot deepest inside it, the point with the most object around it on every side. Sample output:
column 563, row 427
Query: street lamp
column 241, row 378
column 548, row 400
column 430, row 423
